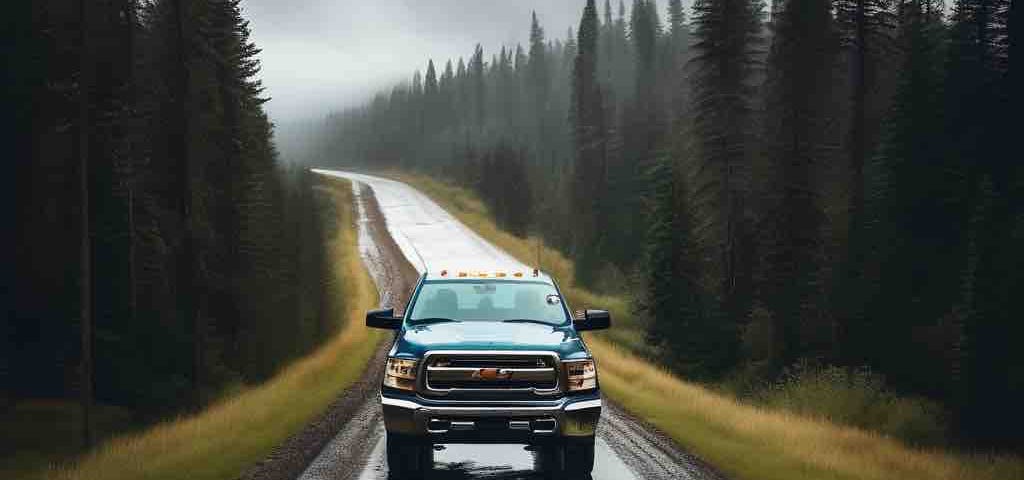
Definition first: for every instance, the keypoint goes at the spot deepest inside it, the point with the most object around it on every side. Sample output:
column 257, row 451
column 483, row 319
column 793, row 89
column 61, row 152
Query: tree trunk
column 85, row 269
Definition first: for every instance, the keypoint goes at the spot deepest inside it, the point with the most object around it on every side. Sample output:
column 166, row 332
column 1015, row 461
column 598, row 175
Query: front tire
column 579, row 457
column 408, row 458
column 570, row 458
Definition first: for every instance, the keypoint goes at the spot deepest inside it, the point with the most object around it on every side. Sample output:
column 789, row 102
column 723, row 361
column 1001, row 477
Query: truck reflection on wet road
column 505, row 462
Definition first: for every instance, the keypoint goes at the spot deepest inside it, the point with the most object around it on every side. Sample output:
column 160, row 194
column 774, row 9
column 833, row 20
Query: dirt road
column 403, row 232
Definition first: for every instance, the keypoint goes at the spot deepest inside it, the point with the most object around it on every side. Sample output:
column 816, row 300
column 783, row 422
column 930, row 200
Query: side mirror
column 593, row 320
column 385, row 319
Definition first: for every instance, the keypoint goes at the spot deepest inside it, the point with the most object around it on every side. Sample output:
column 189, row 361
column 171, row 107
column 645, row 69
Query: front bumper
column 492, row 422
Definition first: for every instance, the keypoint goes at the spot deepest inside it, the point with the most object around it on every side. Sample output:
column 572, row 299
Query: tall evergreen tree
column 430, row 85
column 477, row 85
column 981, row 104
column 798, row 118
column 920, row 210
column 728, row 35
column 539, row 79
column 590, row 167
column 866, row 29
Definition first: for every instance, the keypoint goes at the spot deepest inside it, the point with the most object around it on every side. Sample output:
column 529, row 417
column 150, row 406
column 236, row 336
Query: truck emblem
column 491, row 374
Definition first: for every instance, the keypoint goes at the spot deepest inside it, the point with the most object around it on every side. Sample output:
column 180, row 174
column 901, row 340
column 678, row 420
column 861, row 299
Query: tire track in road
column 395, row 279
column 626, row 448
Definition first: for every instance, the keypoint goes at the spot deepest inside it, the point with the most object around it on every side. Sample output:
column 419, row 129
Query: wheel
column 549, row 459
column 579, row 457
column 570, row 458
column 408, row 458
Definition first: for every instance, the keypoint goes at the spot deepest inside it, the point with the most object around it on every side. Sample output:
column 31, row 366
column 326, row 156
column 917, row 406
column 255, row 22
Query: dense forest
column 832, row 182
column 162, row 253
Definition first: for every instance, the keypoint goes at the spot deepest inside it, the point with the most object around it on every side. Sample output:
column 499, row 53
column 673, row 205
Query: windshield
column 489, row 301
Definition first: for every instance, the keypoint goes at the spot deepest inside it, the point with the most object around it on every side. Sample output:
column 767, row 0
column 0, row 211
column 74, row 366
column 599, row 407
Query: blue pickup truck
column 490, row 357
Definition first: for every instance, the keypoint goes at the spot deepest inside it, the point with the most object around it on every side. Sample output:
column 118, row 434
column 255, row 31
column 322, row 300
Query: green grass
column 744, row 441
column 238, row 431
column 856, row 398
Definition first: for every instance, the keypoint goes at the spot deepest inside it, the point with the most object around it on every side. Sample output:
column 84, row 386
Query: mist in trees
column 207, row 254
column 802, row 181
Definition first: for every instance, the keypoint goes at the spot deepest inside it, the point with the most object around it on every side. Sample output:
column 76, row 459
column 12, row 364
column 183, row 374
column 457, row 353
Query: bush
column 856, row 397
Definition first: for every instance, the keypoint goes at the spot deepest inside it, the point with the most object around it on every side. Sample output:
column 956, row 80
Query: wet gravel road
column 401, row 232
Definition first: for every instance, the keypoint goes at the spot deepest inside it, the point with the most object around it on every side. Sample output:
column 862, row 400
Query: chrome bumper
column 474, row 422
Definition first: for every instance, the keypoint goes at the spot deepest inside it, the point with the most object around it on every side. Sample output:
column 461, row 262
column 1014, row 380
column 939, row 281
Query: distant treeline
column 836, row 181
column 207, row 256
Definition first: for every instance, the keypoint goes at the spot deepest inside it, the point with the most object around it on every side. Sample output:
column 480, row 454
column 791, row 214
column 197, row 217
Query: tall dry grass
column 750, row 442
column 221, row 441
column 741, row 440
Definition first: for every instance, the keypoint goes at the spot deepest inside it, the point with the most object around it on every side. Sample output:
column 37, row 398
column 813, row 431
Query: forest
column 163, row 255
column 832, row 183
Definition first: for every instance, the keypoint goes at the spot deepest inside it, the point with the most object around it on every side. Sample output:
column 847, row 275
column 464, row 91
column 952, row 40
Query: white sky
column 321, row 55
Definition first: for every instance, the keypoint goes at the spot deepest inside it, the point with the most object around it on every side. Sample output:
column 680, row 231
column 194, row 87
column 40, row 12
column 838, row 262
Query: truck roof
column 513, row 273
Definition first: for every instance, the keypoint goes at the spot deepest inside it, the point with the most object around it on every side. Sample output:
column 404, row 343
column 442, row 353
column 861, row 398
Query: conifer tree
column 728, row 41
column 590, row 166
column 430, row 86
column 539, row 79
column 865, row 29
column 919, row 229
column 798, row 116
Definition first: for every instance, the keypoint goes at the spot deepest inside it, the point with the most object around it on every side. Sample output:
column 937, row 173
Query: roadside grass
column 744, row 441
column 856, row 398
column 221, row 441
column 38, row 432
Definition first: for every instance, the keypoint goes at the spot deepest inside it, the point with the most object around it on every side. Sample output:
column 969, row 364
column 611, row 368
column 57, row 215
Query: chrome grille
column 511, row 372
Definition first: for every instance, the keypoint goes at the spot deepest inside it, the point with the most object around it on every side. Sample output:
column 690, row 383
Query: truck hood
column 414, row 341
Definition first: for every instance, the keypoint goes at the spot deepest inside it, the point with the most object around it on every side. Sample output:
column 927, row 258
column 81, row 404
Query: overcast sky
column 321, row 55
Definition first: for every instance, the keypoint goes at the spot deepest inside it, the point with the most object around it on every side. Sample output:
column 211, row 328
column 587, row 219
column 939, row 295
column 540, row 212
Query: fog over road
column 429, row 237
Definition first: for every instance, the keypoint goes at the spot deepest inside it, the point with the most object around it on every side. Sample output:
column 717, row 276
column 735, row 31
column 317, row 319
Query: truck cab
column 490, row 357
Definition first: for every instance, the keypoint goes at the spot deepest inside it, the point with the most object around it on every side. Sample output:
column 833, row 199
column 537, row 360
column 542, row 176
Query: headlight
column 581, row 375
column 400, row 374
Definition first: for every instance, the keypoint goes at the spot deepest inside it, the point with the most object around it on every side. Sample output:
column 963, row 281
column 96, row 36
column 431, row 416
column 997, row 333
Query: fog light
column 436, row 425
column 544, row 425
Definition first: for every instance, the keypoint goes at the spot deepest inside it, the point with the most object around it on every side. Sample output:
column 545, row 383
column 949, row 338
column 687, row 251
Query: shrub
column 856, row 397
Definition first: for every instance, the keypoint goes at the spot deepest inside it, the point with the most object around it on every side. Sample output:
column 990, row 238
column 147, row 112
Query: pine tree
column 728, row 41
column 477, row 86
column 539, row 81
column 799, row 114
column 678, row 53
column 589, row 170
column 642, row 131
column 866, row 29
column 981, row 105
column 430, row 83
column 920, row 210
column 673, row 298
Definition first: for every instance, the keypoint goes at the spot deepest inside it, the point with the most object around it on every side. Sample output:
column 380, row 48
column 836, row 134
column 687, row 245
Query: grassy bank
column 224, row 439
column 743, row 441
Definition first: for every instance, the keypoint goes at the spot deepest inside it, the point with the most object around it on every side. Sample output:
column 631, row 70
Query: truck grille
column 455, row 373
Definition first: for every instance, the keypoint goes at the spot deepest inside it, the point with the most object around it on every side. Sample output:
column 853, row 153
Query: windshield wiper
column 424, row 321
column 528, row 320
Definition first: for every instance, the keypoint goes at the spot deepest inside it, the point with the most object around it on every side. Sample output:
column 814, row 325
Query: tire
column 579, row 457
column 570, row 458
column 549, row 459
column 408, row 458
